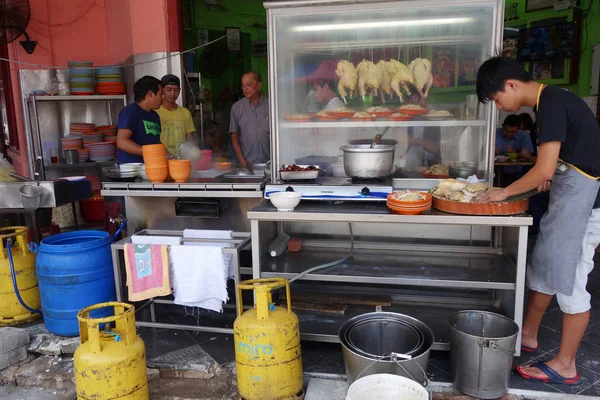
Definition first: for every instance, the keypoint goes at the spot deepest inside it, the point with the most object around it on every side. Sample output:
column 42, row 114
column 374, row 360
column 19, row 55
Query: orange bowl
column 393, row 201
column 412, row 111
column 180, row 176
column 223, row 166
column 157, row 176
column 180, row 164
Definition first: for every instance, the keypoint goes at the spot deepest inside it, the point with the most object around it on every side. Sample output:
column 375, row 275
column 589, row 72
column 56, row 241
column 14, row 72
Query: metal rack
column 426, row 270
column 240, row 240
column 52, row 123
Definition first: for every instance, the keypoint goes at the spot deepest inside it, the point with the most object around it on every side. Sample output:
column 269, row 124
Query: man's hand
column 544, row 187
column 510, row 149
column 524, row 154
column 243, row 163
column 493, row 195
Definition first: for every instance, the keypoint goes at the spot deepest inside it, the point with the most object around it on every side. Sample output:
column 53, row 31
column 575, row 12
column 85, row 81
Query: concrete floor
column 325, row 359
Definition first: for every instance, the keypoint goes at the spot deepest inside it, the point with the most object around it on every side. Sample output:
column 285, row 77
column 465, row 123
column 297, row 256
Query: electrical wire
column 168, row 56
column 333, row 263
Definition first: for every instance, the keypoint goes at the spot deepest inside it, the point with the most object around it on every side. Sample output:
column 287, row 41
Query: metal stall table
column 427, row 279
column 240, row 242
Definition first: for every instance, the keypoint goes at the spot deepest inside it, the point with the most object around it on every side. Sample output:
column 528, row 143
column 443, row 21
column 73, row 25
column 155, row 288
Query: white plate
column 74, row 178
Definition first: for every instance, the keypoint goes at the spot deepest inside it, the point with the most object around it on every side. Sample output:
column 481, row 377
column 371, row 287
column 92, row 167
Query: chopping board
column 499, row 208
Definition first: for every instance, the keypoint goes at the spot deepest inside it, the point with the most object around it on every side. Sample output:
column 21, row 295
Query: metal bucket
column 482, row 346
column 386, row 343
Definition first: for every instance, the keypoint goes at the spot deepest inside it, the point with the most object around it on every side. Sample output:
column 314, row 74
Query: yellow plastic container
column 110, row 364
column 11, row 311
column 267, row 345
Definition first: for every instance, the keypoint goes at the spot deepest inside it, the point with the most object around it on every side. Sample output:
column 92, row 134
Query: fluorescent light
column 381, row 24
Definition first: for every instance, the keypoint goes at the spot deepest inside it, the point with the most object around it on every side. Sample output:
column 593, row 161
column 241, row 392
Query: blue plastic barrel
column 74, row 271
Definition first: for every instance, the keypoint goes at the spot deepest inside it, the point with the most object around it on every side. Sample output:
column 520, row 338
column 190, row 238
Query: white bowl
column 143, row 173
column 285, row 201
column 338, row 170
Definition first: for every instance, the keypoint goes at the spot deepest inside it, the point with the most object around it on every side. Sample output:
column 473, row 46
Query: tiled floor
column 327, row 357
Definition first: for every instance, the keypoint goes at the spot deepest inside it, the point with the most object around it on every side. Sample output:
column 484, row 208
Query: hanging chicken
column 348, row 79
column 369, row 77
column 421, row 70
column 401, row 76
column 386, row 81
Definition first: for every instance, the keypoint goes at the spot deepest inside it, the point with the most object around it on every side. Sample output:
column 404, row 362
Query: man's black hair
column 512, row 120
column 493, row 74
column 142, row 86
column 327, row 82
column 526, row 121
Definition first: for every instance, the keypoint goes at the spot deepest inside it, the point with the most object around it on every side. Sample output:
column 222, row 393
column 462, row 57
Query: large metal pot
column 362, row 161
column 371, row 341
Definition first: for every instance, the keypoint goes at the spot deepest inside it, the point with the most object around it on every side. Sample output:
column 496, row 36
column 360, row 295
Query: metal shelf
column 77, row 98
column 83, row 165
column 380, row 124
column 408, row 268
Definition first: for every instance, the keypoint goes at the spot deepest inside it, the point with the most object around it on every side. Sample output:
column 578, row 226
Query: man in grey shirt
column 249, row 123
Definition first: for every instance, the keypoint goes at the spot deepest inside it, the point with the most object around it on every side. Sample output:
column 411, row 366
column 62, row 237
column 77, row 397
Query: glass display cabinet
column 343, row 72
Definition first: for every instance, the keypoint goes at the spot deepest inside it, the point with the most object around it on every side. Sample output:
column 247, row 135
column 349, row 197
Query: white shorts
column 579, row 300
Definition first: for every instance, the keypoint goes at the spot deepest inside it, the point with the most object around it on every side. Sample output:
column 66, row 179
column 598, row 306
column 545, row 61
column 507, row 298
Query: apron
column 562, row 228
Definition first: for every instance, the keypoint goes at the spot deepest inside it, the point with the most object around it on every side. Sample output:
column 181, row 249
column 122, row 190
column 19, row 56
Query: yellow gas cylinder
column 110, row 364
column 11, row 310
column 267, row 345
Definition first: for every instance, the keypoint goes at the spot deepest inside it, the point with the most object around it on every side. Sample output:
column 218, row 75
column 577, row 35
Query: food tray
column 342, row 114
column 412, row 111
column 499, row 208
column 299, row 175
column 328, row 118
column 399, row 117
column 306, row 118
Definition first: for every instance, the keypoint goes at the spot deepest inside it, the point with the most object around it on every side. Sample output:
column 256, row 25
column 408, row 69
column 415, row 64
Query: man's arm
column 235, row 143
column 125, row 143
column 541, row 172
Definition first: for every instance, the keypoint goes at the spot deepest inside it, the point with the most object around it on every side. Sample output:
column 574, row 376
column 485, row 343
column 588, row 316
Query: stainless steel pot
column 362, row 161
column 462, row 169
column 371, row 341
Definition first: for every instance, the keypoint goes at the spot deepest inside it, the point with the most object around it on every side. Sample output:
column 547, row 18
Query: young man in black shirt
column 569, row 140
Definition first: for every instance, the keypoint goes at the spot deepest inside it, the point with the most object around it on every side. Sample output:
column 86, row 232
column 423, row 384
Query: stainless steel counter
column 219, row 187
column 424, row 277
column 56, row 193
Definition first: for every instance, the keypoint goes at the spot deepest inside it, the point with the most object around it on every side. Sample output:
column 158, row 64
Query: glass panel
column 340, row 71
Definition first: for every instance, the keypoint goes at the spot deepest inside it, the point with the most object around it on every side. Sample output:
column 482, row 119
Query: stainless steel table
column 423, row 268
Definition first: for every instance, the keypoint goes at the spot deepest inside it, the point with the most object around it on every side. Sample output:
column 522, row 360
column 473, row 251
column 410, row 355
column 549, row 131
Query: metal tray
column 300, row 175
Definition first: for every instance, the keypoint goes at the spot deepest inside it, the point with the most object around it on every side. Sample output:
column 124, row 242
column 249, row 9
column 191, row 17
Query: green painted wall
column 590, row 36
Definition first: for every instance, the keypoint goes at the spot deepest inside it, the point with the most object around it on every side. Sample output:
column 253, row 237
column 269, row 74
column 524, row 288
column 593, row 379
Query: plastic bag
column 5, row 169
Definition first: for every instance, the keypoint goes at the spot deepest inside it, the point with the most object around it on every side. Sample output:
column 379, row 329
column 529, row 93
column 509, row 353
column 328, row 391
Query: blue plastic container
column 74, row 271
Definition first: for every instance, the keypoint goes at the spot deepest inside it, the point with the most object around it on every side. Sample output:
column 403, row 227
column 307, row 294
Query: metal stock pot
column 362, row 161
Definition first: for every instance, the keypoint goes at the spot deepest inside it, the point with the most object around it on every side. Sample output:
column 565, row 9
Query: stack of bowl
column 155, row 160
column 409, row 206
column 81, row 77
column 103, row 151
column 79, row 128
column 180, row 170
column 71, row 142
column 109, row 132
column 109, row 81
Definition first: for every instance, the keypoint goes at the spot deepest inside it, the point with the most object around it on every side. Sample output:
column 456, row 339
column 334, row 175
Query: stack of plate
column 405, row 205
column 71, row 142
column 81, row 77
column 92, row 137
column 84, row 155
column 107, row 130
column 79, row 128
column 109, row 81
column 102, row 151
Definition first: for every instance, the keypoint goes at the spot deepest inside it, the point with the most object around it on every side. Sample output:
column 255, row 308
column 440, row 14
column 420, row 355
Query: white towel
column 199, row 276
column 211, row 234
column 167, row 240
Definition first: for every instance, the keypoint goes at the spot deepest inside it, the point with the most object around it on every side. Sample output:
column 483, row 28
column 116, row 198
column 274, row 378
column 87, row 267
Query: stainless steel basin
column 56, row 193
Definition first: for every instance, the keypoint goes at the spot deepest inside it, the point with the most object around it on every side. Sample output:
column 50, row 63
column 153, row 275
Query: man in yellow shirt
column 176, row 122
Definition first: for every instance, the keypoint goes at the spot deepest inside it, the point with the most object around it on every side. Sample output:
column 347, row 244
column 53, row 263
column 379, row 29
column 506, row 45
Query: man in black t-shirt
column 569, row 141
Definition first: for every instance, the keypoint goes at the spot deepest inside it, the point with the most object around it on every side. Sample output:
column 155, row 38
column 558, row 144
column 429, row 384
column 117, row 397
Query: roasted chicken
column 401, row 75
column 348, row 79
column 386, row 81
column 369, row 78
column 423, row 78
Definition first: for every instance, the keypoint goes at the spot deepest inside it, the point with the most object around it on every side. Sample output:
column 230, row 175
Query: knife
column 522, row 196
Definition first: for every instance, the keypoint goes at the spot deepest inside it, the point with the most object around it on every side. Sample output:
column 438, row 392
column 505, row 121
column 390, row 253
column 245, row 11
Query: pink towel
column 147, row 268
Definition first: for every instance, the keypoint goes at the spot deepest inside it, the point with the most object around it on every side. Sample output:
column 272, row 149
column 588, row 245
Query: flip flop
column 530, row 350
column 551, row 375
